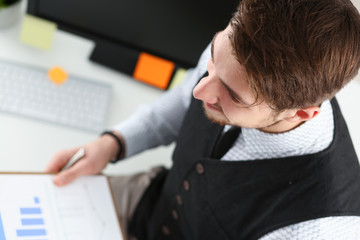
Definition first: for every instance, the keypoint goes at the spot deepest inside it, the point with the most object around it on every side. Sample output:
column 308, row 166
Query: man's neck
column 281, row 126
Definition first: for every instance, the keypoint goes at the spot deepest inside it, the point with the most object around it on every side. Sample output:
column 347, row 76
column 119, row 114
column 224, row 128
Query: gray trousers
column 127, row 192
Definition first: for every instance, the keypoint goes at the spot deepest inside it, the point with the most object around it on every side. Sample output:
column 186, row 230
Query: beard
column 222, row 120
column 215, row 119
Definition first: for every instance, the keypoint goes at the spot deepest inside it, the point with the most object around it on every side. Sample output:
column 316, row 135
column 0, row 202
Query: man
column 290, row 170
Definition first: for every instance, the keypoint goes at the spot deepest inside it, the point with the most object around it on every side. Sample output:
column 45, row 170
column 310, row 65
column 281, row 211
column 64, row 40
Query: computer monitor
column 138, row 36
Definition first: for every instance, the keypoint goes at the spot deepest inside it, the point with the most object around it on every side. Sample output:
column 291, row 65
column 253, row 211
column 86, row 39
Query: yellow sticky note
column 57, row 75
column 178, row 77
column 37, row 32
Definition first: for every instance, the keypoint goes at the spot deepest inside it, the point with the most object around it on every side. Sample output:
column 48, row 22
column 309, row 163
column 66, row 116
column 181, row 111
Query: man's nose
column 206, row 91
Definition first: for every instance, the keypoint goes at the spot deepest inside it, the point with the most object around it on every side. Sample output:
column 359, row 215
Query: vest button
column 200, row 168
column 165, row 230
column 174, row 214
column 179, row 200
column 186, row 185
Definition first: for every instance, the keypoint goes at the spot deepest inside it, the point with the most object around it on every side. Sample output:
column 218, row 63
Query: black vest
column 204, row 198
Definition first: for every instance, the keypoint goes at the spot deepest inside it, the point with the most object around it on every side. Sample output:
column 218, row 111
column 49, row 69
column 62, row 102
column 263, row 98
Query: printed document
column 32, row 207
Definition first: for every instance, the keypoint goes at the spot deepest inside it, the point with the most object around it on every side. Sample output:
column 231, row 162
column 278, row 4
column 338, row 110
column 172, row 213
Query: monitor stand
column 115, row 56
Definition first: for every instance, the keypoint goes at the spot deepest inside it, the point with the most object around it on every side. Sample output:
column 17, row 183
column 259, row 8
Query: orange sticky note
column 57, row 75
column 153, row 70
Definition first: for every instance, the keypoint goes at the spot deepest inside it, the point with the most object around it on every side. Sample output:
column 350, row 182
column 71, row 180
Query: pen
column 76, row 157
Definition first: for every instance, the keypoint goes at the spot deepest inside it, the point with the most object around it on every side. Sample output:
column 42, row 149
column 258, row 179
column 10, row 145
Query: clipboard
column 33, row 207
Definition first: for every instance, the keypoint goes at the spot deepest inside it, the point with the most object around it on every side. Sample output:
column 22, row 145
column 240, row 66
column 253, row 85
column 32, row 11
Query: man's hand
column 97, row 156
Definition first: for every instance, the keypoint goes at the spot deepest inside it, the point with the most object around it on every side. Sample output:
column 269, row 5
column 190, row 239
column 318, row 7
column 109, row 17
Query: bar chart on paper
column 31, row 207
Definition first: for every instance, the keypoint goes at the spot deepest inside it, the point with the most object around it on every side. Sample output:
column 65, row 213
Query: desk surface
column 28, row 145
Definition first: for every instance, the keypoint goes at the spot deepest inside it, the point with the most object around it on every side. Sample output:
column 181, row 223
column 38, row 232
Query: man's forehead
column 225, row 36
column 212, row 44
column 228, row 67
column 222, row 36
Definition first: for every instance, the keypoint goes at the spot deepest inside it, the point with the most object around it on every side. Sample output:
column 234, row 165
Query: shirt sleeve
column 157, row 124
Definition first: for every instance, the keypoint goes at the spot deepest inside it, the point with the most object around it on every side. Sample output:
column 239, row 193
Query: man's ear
column 304, row 114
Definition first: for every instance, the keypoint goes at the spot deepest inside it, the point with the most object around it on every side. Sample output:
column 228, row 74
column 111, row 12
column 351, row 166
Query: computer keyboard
column 27, row 91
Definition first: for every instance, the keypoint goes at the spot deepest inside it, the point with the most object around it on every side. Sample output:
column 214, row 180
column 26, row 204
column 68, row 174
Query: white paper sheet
column 32, row 207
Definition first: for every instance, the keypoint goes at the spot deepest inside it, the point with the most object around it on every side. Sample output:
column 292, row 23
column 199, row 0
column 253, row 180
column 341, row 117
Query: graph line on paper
column 96, row 212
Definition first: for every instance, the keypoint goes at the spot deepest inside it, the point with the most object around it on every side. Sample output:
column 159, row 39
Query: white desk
column 27, row 145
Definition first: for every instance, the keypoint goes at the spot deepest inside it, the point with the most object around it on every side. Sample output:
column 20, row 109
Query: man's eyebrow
column 212, row 45
column 234, row 94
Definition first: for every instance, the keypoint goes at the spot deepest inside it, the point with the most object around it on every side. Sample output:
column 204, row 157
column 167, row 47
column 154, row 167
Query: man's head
column 281, row 59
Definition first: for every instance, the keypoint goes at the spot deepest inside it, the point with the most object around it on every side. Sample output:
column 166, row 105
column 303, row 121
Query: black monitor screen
column 177, row 30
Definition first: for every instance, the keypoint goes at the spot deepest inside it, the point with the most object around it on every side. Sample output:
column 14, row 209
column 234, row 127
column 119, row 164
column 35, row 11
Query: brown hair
column 296, row 53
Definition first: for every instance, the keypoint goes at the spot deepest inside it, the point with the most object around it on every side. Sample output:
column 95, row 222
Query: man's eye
column 234, row 99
